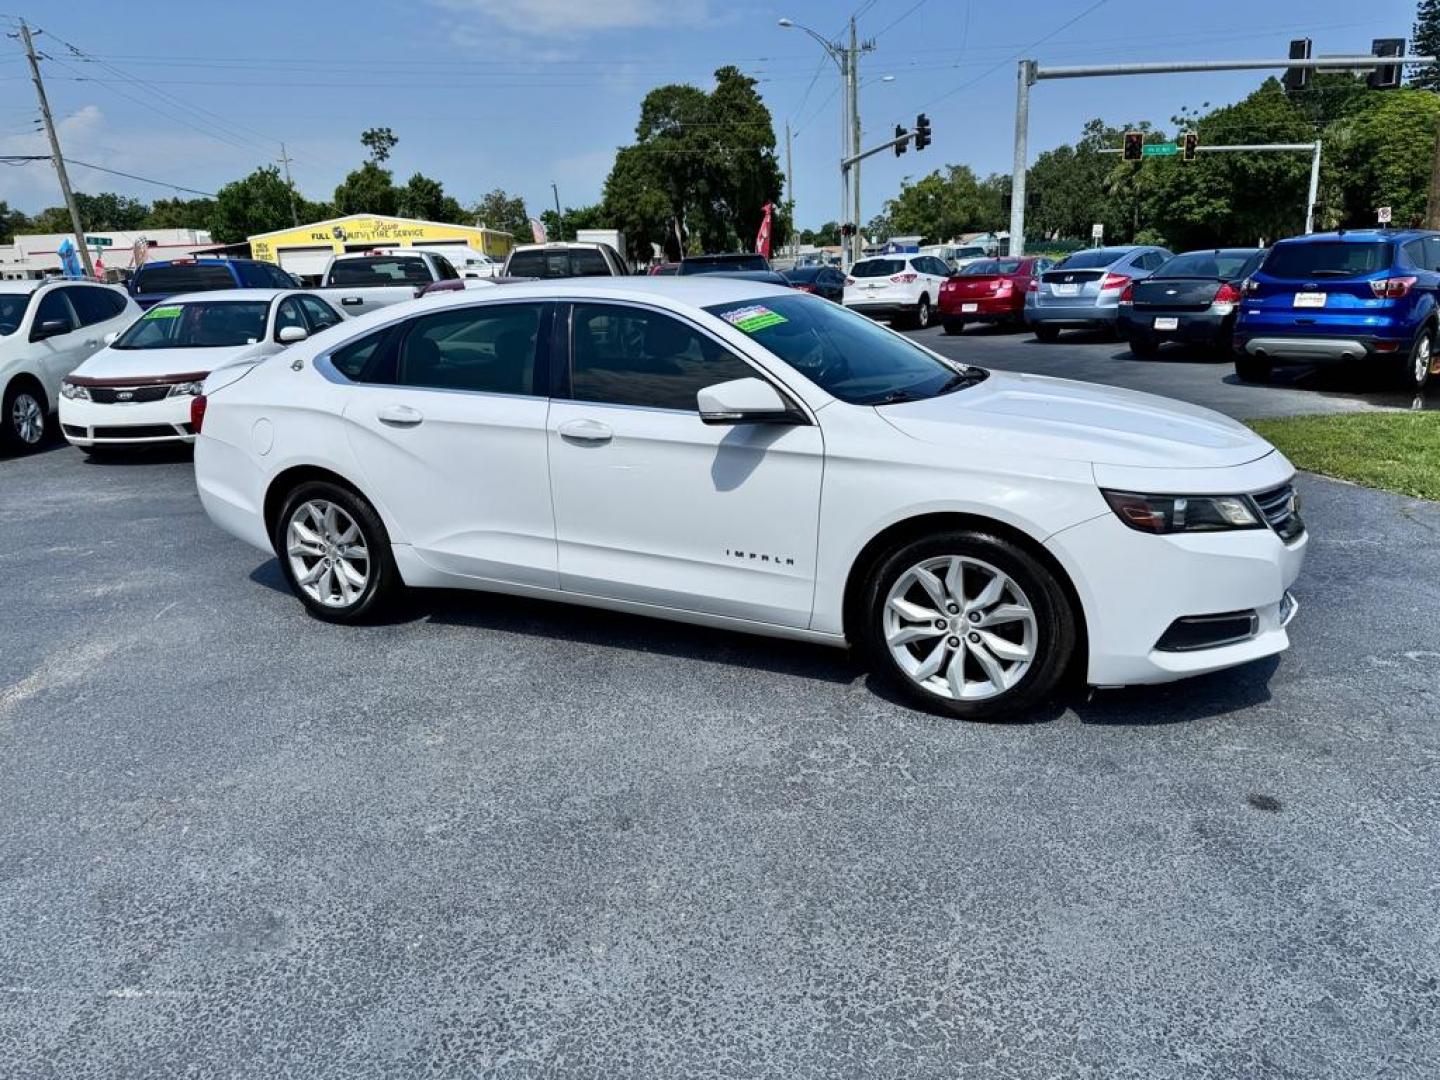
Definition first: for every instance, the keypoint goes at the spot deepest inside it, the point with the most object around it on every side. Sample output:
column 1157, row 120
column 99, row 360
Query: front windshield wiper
column 959, row 381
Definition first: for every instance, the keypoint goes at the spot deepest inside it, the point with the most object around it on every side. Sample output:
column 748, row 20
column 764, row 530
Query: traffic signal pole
column 1030, row 72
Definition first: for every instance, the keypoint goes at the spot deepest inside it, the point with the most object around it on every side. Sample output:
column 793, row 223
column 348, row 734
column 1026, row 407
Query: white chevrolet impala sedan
column 746, row 456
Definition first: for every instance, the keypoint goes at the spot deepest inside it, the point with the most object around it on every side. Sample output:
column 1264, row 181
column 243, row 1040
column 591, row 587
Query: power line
column 30, row 159
column 896, row 22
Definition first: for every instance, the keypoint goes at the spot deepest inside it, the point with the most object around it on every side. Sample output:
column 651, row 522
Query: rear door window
column 1328, row 258
column 490, row 348
column 1432, row 253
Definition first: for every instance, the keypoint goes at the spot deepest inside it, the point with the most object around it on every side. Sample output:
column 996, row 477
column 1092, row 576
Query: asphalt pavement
column 499, row 838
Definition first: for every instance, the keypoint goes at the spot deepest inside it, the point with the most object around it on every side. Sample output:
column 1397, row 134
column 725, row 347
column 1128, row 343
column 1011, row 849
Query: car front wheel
column 335, row 552
column 968, row 624
column 24, row 418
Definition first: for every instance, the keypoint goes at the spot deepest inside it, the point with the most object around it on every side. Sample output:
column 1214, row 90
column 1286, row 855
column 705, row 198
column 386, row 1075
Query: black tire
column 1144, row 346
column 920, row 320
column 1418, row 361
column 382, row 579
column 953, row 326
column 103, row 452
column 24, row 406
column 1047, row 333
column 1253, row 368
column 1055, row 632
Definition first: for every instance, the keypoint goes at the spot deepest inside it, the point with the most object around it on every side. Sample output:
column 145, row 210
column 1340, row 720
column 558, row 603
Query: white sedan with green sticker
column 139, row 388
column 747, row 456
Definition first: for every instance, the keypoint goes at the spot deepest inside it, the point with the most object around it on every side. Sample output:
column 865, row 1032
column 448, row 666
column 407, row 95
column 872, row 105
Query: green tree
column 424, row 198
column 500, row 210
column 380, row 141
column 108, row 211
column 179, row 213
column 1425, row 41
column 1387, row 155
column 258, row 203
column 576, row 217
column 1071, row 182
column 53, row 219
column 12, row 222
column 939, row 206
column 368, row 190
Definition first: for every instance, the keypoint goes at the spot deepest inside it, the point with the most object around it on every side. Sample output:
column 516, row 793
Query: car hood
column 1033, row 416
column 111, row 363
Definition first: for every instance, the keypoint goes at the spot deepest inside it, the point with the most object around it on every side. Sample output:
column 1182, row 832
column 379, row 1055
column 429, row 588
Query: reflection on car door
column 57, row 356
column 653, row 506
column 449, row 430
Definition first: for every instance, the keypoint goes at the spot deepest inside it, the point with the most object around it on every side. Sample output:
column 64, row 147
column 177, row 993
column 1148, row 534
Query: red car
column 990, row 291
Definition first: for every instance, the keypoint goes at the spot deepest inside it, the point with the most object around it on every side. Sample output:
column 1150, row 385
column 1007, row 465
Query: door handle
column 590, row 431
column 400, row 416
column 352, row 301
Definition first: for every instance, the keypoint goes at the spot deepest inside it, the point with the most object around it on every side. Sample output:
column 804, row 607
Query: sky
column 520, row 94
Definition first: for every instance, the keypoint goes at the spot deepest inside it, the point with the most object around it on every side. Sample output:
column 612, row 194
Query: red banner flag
column 762, row 239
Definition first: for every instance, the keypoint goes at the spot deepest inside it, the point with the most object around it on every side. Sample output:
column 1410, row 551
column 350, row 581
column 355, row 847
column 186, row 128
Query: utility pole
column 55, row 154
column 1432, row 205
column 857, row 242
column 1031, row 72
column 284, row 160
column 559, row 217
column 790, row 193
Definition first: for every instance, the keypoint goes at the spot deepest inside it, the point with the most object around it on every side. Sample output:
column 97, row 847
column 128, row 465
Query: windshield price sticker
column 753, row 318
column 171, row 312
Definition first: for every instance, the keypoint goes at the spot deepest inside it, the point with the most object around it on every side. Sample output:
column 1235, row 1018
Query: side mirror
column 289, row 335
column 50, row 328
column 745, row 401
column 111, row 337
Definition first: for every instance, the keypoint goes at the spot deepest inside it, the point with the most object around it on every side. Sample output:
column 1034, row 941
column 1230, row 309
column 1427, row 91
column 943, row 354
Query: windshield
column 183, row 277
column 211, row 324
column 380, row 270
column 717, row 266
column 991, row 266
column 877, row 268
column 1328, row 258
column 12, row 310
column 845, row 354
column 1206, row 264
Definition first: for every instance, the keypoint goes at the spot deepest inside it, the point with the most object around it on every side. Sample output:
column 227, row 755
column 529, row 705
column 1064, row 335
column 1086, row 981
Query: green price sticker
column 171, row 312
column 754, row 318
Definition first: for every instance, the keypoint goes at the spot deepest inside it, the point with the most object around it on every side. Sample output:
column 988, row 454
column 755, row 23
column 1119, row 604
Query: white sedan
column 739, row 455
column 139, row 387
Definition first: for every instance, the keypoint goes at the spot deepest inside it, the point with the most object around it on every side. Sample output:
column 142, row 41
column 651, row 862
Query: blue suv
column 1366, row 296
column 155, row 281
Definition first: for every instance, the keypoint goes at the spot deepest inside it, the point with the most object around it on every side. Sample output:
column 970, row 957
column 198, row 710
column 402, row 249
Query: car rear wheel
column 967, row 624
column 1144, row 346
column 1253, row 368
column 954, row 326
column 1045, row 332
column 335, row 553
column 1417, row 367
column 24, row 417
column 921, row 319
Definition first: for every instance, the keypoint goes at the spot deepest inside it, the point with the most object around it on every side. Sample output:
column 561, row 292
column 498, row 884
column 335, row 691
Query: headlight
column 73, row 392
column 1183, row 513
column 187, row 389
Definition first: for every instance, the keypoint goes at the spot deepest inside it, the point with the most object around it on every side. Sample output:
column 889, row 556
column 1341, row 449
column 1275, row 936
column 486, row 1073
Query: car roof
column 29, row 285
column 557, row 245
column 1360, row 236
column 231, row 294
column 203, row 260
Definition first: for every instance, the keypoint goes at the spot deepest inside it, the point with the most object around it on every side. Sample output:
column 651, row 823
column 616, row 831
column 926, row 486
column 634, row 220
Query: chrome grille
column 111, row 395
column 1281, row 511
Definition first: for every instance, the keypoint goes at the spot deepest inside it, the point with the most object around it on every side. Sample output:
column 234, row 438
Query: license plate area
column 1066, row 290
column 966, row 309
column 1309, row 299
column 1167, row 324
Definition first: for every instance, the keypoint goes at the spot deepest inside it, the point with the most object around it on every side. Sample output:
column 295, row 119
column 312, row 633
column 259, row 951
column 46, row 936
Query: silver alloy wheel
column 922, row 314
column 327, row 553
column 1422, row 360
column 28, row 418
column 960, row 628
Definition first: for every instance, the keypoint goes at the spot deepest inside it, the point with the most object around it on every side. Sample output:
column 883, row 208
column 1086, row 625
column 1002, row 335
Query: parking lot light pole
column 1030, row 72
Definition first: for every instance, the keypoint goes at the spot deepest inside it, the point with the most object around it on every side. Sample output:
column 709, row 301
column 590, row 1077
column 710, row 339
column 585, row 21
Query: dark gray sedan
column 1193, row 298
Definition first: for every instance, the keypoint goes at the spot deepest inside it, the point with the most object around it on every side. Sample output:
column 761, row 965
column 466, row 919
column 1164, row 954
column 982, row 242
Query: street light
column 841, row 58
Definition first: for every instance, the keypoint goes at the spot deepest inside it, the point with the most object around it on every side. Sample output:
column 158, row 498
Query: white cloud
column 571, row 18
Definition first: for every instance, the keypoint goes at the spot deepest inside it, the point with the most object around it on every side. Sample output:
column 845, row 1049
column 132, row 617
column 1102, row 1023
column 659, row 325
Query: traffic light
column 922, row 131
column 1190, row 144
column 1387, row 77
column 904, row 143
column 1296, row 79
column 1134, row 145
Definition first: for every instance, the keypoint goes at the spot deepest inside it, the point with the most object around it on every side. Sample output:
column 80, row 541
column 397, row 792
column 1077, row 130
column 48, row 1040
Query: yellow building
column 305, row 250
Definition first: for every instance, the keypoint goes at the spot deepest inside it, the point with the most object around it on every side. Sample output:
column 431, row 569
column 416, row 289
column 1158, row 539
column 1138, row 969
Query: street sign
column 98, row 241
column 1159, row 149
column 1382, row 215
column 1097, row 231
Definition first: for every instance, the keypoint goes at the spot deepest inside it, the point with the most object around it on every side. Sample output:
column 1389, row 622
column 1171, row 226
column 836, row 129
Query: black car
column 823, row 281
column 1193, row 298
column 769, row 277
column 719, row 264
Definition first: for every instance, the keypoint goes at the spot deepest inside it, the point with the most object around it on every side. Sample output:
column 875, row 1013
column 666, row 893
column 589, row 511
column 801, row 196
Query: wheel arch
column 899, row 532
column 26, row 378
column 287, row 480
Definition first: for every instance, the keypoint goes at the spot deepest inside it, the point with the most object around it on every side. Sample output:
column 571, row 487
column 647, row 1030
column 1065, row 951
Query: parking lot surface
column 502, row 838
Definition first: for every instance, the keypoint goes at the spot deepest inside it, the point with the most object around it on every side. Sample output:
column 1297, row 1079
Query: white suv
column 47, row 330
column 901, row 288
column 744, row 455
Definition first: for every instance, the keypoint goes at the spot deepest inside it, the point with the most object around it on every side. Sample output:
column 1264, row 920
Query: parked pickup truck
column 365, row 280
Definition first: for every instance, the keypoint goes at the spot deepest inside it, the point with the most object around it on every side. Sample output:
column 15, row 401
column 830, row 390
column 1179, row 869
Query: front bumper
column 1135, row 586
column 1199, row 327
column 87, row 423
